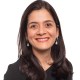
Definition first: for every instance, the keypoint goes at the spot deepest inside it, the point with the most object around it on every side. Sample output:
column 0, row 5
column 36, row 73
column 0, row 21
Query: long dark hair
column 29, row 65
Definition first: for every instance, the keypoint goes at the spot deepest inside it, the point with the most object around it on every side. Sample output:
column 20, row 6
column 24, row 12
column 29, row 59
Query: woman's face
column 41, row 30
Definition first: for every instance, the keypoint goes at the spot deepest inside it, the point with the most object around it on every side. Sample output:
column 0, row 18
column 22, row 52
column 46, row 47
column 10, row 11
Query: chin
column 43, row 48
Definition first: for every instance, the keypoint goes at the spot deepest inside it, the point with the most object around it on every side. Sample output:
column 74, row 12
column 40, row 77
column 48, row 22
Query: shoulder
column 69, row 64
column 13, row 72
column 69, row 68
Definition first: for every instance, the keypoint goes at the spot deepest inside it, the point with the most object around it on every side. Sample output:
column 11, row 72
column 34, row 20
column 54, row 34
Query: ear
column 57, row 31
column 26, row 36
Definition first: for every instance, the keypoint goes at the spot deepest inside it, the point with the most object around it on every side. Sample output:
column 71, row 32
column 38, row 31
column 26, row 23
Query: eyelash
column 48, row 24
column 33, row 26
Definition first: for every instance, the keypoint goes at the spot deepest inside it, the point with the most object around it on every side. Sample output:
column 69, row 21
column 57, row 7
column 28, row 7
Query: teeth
column 42, row 39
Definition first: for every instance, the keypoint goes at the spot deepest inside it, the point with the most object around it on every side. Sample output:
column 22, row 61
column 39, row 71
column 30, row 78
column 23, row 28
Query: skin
column 41, row 34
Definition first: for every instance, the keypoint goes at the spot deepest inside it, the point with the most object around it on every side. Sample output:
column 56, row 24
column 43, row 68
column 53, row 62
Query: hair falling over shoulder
column 29, row 63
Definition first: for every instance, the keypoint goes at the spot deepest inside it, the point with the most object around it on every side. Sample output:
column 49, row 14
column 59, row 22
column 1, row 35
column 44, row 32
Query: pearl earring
column 56, row 41
column 27, row 44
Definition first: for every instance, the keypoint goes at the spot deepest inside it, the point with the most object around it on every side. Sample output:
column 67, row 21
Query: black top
column 13, row 73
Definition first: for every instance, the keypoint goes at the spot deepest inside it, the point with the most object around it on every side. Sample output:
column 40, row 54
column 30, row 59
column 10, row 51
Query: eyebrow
column 48, row 21
column 43, row 22
column 32, row 23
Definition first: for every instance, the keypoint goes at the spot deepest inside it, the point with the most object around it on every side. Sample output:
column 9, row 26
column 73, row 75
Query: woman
column 41, row 46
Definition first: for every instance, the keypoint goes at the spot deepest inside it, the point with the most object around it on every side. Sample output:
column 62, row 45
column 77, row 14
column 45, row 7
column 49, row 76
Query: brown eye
column 33, row 26
column 48, row 25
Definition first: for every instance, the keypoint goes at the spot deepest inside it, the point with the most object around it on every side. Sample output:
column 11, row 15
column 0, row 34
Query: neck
column 44, row 58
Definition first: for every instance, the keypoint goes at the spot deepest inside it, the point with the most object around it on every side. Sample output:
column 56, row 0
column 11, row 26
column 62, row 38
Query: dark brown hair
column 62, row 68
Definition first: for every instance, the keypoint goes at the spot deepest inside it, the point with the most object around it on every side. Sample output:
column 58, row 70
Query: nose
column 41, row 30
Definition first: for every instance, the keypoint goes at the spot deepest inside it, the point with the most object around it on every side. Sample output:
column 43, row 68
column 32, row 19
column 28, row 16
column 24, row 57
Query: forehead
column 40, row 15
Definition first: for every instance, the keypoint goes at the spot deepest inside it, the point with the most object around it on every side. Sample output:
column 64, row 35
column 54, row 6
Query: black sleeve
column 70, row 76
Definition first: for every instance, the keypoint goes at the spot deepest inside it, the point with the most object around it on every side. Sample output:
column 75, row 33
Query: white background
column 10, row 16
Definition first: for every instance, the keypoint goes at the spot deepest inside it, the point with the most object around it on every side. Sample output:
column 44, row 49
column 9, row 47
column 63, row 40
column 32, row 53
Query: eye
column 48, row 25
column 33, row 26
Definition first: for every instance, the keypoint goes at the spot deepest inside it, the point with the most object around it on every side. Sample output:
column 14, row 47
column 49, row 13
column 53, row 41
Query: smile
column 42, row 39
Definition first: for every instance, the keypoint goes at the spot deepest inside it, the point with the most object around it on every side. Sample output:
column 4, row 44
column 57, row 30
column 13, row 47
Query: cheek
column 53, row 33
column 30, row 34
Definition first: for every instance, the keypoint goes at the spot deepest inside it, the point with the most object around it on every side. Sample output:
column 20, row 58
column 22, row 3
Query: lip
column 42, row 39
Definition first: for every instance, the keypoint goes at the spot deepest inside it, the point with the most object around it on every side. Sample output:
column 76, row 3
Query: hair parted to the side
column 29, row 63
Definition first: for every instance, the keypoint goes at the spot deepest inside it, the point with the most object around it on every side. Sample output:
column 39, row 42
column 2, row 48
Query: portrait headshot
column 41, row 48
column 39, row 40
